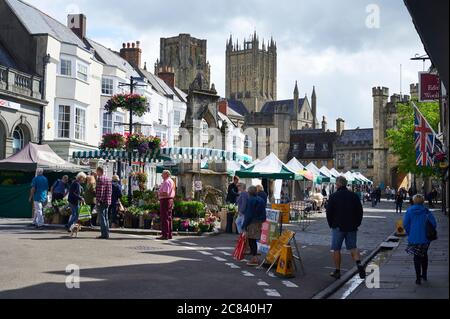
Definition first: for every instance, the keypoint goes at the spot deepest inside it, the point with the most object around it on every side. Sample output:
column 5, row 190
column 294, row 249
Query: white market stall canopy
column 295, row 165
column 325, row 171
column 270, row 168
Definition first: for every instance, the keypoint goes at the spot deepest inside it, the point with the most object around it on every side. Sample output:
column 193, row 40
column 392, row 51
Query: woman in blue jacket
column 415, row 226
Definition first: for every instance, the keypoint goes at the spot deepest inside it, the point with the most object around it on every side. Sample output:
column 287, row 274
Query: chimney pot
column 138, row 43
column 124, row 45
column 133, row 45
column 128, row 45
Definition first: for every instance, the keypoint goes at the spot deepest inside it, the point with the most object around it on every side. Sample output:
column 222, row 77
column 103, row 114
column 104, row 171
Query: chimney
column 324, row 124
column 132, row 53
column 223, row 106
column 77, row 23
column 340, row 126
column 167, row 74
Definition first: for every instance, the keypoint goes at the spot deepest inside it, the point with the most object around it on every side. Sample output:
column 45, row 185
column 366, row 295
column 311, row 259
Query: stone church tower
column 186, row 56
column 251, row 72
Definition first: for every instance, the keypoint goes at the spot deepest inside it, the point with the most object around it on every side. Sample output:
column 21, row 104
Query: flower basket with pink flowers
column 132, row 102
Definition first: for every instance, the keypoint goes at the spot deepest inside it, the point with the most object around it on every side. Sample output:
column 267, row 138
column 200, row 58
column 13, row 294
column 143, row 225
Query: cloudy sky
column 343, row 47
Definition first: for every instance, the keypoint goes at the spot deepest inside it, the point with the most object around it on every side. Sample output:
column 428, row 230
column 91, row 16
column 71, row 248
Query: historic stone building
column 354, row 150
column 186, row 55
column 385, row 170
column 251, row 72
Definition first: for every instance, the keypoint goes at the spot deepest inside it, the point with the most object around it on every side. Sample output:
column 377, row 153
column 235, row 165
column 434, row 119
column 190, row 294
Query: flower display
column 141, row 143
column 114, row 141
column 136, row 103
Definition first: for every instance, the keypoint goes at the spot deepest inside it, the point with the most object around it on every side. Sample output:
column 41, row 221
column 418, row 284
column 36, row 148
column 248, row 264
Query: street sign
column 198, row 186
column 429, row 87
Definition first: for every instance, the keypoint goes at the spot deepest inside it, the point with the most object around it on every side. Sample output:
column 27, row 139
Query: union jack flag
column 424, row 139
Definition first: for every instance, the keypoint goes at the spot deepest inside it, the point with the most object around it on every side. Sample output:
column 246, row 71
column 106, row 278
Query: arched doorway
column 20, row 138
column 2, row 140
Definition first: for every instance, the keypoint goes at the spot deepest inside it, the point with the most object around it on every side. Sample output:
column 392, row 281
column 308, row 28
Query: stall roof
column 34, row 156
column 271, row 168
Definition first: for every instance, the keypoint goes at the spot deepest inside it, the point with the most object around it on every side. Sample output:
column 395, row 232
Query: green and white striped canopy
column 165, row 154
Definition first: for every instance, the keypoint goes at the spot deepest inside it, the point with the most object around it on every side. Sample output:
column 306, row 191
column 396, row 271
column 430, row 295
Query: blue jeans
column 338, row 238
column 104, row 223
column 239, row 223
column 74, row 217
column 398, row 207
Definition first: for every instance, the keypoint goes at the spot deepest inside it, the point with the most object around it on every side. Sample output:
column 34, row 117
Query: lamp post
column 133, row 83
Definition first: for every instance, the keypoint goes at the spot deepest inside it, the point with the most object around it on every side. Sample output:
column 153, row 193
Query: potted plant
column 136, row 103
column 136, row 213
column 115, row 141
column 49, row 213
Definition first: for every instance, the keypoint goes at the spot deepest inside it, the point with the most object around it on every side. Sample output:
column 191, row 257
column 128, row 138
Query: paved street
column 131, row 266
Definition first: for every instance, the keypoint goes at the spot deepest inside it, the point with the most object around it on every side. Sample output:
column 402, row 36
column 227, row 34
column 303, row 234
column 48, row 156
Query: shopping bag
column 240, row 248
column 85, row 213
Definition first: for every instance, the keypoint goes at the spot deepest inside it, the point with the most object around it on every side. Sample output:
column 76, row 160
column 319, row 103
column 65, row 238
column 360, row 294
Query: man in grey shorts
column 344, row 216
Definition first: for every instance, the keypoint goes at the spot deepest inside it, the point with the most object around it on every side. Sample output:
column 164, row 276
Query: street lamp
column 134, row 82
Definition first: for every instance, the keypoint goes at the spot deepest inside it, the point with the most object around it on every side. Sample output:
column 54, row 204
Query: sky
column 343, row 48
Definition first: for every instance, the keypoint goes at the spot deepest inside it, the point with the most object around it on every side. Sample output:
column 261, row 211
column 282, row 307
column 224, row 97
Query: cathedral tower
column 251, row 72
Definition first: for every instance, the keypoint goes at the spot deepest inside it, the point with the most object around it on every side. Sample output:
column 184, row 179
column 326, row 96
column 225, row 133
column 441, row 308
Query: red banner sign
column 429, row 85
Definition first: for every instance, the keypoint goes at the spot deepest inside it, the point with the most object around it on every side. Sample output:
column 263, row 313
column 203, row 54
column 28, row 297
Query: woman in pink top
column 166, row 196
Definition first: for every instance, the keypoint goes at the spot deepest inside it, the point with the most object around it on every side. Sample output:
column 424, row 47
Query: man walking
column 103, row 198
column 166, row 195
column 344, row 216
column 233, row 191
column 60, row 189
column 38, row 197
column 242, row 205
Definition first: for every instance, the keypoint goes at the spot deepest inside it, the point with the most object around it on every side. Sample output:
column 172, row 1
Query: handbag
column 85, row 213
column 240, row 248
column 431, row 232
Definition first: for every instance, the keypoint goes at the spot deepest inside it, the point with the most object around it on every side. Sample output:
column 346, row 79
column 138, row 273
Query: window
column 80, row 124
column 107, row 123
column 82, row 72
column 177, row 118
column 234, row 143
column 370, row 160
column 296, row 147
column 17, row 140
column 341, row 160
column 66, row 67
column 64, row 121
column 110, row 126
column 355, row 160
column 161, row 112
column 310, row 147
column 107, row 86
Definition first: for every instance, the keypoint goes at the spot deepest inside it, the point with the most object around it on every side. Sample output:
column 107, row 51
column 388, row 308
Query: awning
column 269, row 168
column 150, row 157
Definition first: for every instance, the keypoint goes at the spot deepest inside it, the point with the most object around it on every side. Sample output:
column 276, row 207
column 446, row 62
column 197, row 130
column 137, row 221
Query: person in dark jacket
column 75, row 198
column 414, row 223
column 233, row 191
column 115, row 199
column 261, row 193
column 399, row 202
column 344, row 216
column 254, row 217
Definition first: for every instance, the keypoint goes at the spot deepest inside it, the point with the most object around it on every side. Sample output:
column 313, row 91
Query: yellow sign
column 400, row 230
column 285, row 210
column 286, row 263
column 277, row 245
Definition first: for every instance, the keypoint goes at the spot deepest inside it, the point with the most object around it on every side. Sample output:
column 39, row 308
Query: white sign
column 198, row 186
column 10, row 105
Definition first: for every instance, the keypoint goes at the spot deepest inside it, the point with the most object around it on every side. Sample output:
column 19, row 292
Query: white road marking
column 233, row 266
column 225, row 253
column 262, row 283
column 289, row 284
column 304, row 246
column 272, row 293
column 248, row 274
column 271, row 274
column 205, row 253
column 190, row 248
column 190, row 244
column 376, row 217
column 225, row 248
column 219, row 259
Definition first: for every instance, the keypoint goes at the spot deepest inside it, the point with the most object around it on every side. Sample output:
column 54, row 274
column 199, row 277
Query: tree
column 402, row 137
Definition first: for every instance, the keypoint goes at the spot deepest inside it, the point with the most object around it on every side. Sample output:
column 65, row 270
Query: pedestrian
column 241, row 204
column 388, row 192
column 324, row 192
column 373, row 197
column 418, row 244
column 166, row 195
column 75, row 198
column 38, row 197
column 60, row 189
column 254, row 217
column 261, row 193
column 233, row 191
column 378, row 195
column 89, row 198
column 103, row 192
column 399, row 202
column 344, row 216
column 115, row 200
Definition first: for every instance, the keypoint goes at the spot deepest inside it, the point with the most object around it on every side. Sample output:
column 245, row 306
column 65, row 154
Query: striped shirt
column 103, row 190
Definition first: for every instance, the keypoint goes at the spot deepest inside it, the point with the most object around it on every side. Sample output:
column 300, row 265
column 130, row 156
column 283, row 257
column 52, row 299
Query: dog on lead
column 74, row 229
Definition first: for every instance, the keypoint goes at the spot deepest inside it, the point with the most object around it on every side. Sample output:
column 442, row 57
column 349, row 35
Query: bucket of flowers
column 132, row 102
column 49, row 213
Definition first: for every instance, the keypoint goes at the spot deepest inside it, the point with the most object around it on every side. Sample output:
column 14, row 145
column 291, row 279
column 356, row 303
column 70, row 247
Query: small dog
column 74, row 229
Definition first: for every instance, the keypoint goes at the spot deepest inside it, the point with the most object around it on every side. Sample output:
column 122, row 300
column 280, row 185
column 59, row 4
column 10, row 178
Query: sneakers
column 253, row 262
column 336, row 274
column 362, row 272
column 418, row 282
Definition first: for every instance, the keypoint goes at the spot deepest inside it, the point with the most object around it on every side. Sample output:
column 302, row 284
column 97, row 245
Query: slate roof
column 356, row 136
column 269, row 107
column 238, row 107
column 6, row 59
column 161, row 87
column 37, row 22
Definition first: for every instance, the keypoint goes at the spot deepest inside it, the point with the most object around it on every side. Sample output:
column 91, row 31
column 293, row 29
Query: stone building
column 354, row 150
column 186, row 55
column 385, row 170
column 251, row 72
column 21, row 105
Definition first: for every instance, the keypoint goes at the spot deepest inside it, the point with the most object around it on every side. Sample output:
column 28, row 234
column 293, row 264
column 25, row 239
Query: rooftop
column 356, row 136
column 270, row 107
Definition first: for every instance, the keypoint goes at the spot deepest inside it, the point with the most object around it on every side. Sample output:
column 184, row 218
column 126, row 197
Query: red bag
column 240, row 248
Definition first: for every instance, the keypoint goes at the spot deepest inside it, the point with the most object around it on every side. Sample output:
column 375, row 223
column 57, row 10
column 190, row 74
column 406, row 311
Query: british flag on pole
column 424, row 139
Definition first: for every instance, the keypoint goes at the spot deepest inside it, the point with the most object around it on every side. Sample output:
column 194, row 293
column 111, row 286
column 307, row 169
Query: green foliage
column 402, row 138
column 60, row 203
column 189, row 209
column 136, row 211
column 124, row 201
column 49, row 212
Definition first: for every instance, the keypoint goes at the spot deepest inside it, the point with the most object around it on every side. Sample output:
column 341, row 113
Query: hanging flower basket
column 142, row 144
column 134, row 102
column 114, row 141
